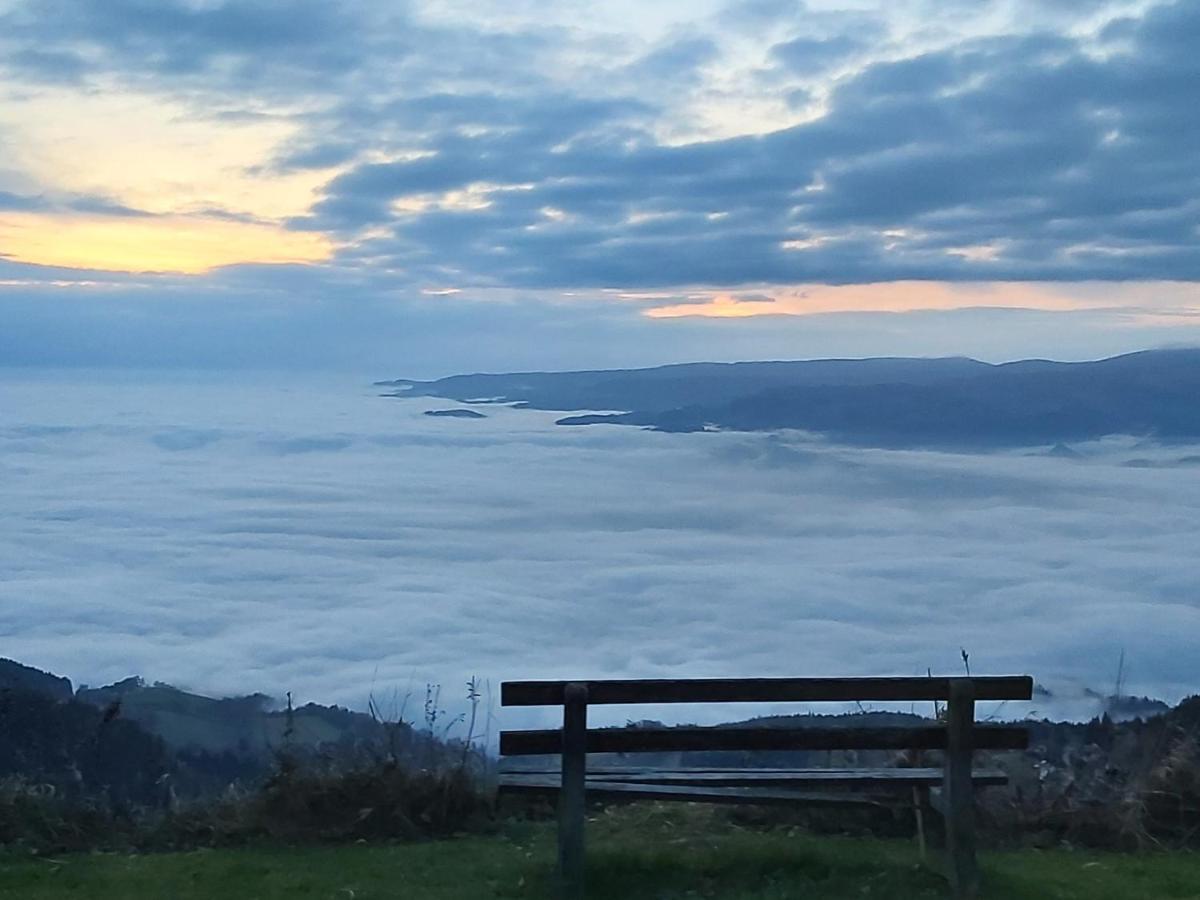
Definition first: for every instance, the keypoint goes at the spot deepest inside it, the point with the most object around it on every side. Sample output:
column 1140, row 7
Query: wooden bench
column 958, row 735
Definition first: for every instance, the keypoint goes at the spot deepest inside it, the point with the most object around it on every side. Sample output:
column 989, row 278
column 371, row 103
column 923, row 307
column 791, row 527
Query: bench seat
column 520, row 779
column 742, row 786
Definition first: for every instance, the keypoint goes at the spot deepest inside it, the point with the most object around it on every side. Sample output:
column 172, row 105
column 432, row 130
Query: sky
column 238, row 533
column 422, row 188
column 193, row 190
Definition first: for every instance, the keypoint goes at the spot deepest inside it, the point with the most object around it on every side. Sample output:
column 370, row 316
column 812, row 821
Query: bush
column 37, row 818
column 372, row 804
column 385, row 802
column 1169, row 800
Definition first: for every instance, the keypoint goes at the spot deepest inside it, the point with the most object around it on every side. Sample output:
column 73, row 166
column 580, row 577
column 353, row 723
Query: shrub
column 1168, row 802
column 35, row 817
column 383, row 802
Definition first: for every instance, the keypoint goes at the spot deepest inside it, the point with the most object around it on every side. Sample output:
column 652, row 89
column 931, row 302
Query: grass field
column 647, row 853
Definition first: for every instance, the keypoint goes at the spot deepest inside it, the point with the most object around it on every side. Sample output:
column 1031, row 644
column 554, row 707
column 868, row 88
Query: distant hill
column 948, row 402
column 108, row 768
column 19, row 677
column 128, row 735
column 251, row 726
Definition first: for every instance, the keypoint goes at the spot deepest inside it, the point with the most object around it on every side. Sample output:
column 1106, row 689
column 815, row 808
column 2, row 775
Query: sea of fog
column 275, row 533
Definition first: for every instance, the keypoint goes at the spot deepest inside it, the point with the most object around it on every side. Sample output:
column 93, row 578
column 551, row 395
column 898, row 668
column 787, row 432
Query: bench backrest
column 960, row 695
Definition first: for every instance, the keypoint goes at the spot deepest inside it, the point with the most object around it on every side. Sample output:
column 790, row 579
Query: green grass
column 646, row 853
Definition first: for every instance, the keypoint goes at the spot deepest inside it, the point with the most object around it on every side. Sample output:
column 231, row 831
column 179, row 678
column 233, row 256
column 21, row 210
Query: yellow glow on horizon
column 156, row 154
column 171, row 244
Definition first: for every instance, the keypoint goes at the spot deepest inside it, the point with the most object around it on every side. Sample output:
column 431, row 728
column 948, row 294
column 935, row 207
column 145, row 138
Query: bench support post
column 920, row 797
column 958, row 791
column 571, row 804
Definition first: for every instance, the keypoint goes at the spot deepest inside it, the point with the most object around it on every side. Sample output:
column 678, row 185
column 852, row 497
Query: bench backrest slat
column 652, row 740
column 766, row 690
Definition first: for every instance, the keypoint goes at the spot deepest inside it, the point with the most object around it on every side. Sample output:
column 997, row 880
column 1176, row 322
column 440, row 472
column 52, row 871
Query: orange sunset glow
column 910, row 296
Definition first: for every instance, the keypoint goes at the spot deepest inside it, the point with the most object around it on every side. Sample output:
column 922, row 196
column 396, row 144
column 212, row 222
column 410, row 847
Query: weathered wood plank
column 958, row 794
column 920, row 796
column 774, row 690
column 651, row 740
column 614, row 790
column 903, row 778
column 571, row 799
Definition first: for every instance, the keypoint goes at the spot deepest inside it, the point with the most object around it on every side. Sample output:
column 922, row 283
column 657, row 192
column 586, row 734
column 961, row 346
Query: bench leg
column 958, row 792
column 920, row 801
column 571, row 803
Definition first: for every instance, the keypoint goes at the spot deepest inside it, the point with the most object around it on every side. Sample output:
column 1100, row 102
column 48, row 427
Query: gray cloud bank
column 1027, row 157
column 308, row 536
column 1059, row 147
column 293, row 317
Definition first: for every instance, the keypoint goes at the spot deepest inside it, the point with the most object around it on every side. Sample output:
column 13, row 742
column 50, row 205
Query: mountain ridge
column 950, row 402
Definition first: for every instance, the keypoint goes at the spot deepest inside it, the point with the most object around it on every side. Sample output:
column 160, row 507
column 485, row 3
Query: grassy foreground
column 636, row 854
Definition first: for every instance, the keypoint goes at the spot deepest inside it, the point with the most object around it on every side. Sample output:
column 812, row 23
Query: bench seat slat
column 898, row 777
column 765, row 690
column 651, row 740
column 696, row 794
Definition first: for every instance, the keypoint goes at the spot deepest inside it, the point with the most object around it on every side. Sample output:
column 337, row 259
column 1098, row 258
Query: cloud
column 508, row 155
column 397, row 547
column 10, row 201
column 183, row 439
column 676, row 61
column 233, row 41
column 1069, row 155
column 514, row 164
column 1069, row 164
column 81, row 203
column 301, row 318
column 808, row 56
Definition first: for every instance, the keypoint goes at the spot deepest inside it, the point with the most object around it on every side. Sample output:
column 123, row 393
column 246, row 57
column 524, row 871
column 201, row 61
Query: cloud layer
column 741, row 158
column 1035, row 157
column 308, row 536
column 531, row 156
